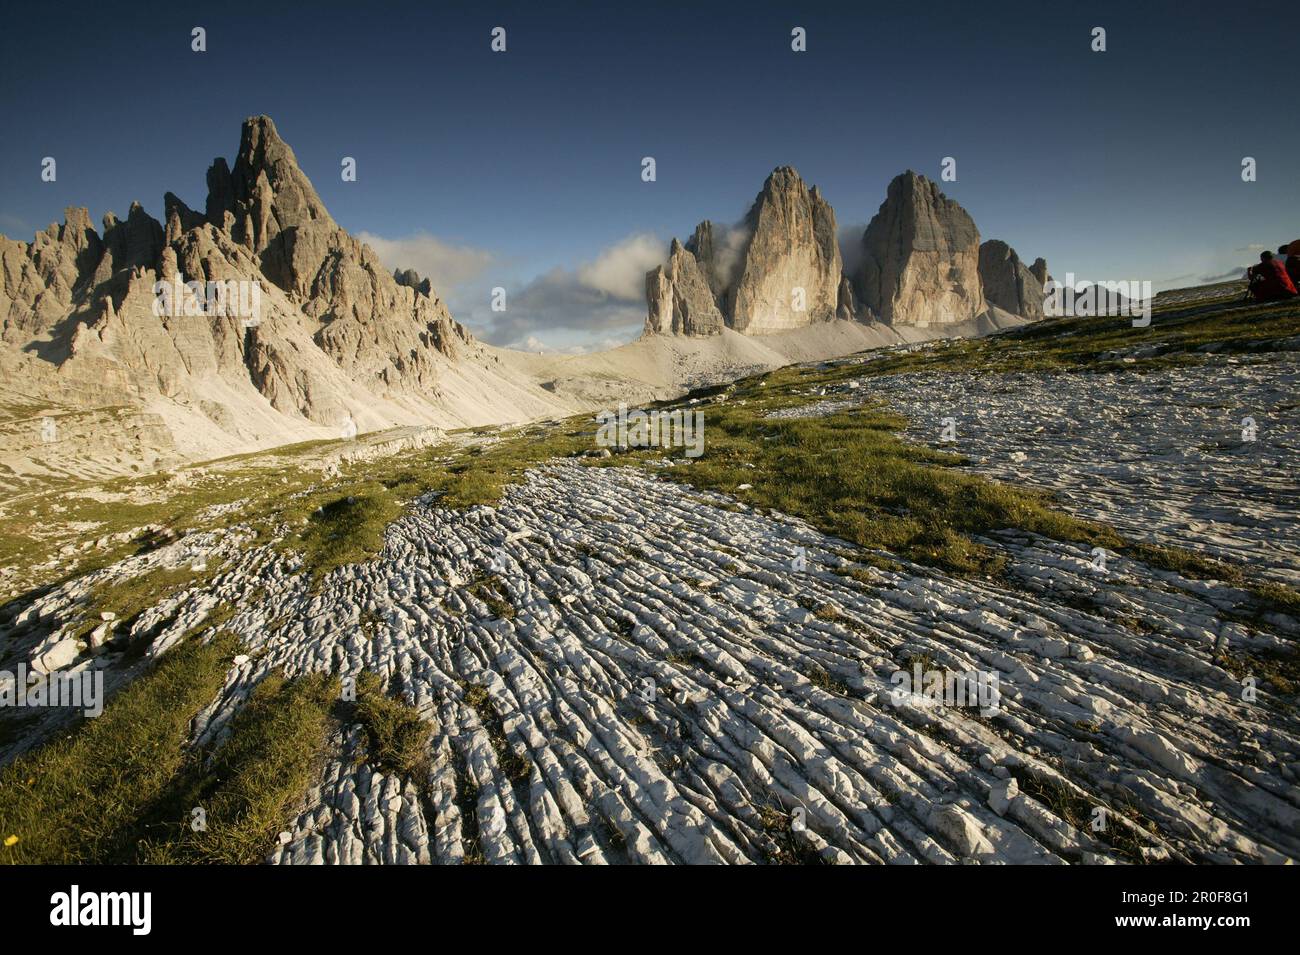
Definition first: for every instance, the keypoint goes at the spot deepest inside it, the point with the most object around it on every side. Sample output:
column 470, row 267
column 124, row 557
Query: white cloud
column 603, row 299
column 851, row 250
column 534, row 344
column 446, row 266
column 620, row 270
column 730, row 243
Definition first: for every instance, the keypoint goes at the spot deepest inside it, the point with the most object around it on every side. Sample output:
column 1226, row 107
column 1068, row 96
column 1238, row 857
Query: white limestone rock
column 920, row 263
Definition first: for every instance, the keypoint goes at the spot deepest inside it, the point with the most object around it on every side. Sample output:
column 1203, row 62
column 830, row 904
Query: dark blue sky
column 523, row 169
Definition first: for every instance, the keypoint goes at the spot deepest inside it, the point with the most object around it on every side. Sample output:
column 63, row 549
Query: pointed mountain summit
column 1009, row 283
column 791, row 271
column 337, row 337
column 920, row 261
column 265, row 160
column 778, row 270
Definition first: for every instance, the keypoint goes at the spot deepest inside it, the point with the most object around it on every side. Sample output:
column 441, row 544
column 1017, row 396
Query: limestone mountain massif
column 338, row 341
column 97, row 379
column 920, row 261
column 921, row 265
column 792, row 245
column 1008, row 282
column 745, row 278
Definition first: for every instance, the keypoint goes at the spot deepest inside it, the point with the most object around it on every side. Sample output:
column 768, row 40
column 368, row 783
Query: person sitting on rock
column 1269, row 281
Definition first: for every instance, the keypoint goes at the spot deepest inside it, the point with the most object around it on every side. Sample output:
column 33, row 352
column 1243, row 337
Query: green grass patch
column 79, row 799
column 490, row 590
column 853, row 476
column 250, row 787
column 345, row 528
column 397, row 738
column 482, row 478
column 129, row 598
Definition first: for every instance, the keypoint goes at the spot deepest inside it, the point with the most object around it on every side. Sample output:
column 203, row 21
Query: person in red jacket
column 1269, row 281
column 1293, row 266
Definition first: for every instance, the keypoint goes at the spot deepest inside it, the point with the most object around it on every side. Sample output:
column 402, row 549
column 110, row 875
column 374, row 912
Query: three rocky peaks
column 921, row 264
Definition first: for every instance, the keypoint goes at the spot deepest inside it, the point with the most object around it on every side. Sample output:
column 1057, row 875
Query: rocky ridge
column 334, row 340
column 778, row 270
column 921, row 265
column 1008, row 282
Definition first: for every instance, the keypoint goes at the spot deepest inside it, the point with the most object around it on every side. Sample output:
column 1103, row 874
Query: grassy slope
column 254, row 780
column 1083, row 344
column 124, row 787
column 850, row 474
column 80, row 799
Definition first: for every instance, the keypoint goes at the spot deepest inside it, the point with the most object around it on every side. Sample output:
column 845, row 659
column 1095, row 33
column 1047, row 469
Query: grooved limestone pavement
column 1162, row 455
column 619, row 667
column 671, row 697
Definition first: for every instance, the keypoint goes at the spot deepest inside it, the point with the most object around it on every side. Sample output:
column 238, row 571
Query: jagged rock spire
column 920, row 262
column 1008, row 283
column 790, row 275
column 779, row 269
